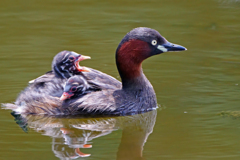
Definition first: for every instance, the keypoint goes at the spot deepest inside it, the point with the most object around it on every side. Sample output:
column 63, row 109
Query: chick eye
column 71, row 58
column 73, row 89
column 154, row 42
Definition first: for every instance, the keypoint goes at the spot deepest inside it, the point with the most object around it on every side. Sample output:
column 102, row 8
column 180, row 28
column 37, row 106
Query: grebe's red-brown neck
column 129, row 60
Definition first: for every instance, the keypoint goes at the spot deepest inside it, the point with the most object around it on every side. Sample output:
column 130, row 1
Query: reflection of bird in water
column 66, row 132
column 70, row 136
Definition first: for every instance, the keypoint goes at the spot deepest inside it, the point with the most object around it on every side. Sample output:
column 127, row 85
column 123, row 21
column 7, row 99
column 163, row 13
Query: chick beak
column 66, row 95
column 79, row 68
column 82, row 57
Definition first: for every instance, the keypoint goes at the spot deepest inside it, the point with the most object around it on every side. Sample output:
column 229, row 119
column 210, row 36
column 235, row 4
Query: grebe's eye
column 73, row 89
column 71, row 58
column 154, row 42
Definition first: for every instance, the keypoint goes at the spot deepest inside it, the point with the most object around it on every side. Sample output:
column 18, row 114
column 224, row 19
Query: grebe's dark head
column 137, row 45
column 147, row 40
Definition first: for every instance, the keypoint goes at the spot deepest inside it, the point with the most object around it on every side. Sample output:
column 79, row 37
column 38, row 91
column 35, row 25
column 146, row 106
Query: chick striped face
column 75, row 86
column 68, row 62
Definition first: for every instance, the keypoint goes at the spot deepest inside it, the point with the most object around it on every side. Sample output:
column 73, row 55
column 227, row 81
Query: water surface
column 192, row 87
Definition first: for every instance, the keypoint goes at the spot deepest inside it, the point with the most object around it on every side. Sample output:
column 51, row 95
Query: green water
column 192, row 87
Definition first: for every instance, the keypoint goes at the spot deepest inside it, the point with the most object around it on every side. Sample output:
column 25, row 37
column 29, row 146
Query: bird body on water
column 134, row 95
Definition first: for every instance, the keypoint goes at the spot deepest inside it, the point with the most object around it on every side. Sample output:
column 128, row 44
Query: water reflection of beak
column 81, row 154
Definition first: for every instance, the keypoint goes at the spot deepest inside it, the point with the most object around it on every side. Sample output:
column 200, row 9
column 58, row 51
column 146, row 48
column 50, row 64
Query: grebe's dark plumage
column 135, row 94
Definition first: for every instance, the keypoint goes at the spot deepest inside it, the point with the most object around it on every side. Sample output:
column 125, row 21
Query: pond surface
column 197, row 90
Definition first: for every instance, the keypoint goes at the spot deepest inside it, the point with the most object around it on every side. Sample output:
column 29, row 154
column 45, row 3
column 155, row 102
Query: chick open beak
column 79, row 68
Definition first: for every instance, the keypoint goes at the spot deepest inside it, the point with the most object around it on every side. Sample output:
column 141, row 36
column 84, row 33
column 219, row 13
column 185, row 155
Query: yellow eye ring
column 154, row 42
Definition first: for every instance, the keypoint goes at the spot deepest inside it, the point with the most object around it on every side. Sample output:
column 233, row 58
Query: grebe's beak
column 66, row 95
column 169, row 47
column 79, row 68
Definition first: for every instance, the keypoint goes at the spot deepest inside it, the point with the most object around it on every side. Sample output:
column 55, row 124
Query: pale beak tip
column 85, row 57
column 62, row 98
column 85, row 69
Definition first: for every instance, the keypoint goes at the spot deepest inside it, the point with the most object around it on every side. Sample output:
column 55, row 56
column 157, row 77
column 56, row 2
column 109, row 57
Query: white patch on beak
column 162, row 48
